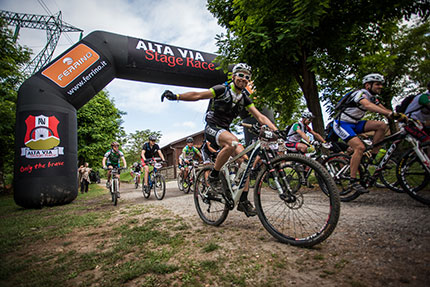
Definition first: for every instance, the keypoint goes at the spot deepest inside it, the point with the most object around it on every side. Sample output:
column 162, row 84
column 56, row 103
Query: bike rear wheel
column 212, row 208
column 339, row 169
column 114, row 191
column 306, row 218
column 413, row 176
column 159, row 185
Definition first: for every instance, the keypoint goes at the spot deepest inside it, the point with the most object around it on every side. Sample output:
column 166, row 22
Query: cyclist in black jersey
column 149, row 150
column 227, row 101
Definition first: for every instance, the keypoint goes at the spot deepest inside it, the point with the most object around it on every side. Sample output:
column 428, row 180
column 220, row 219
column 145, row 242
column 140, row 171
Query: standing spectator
column 84, row 175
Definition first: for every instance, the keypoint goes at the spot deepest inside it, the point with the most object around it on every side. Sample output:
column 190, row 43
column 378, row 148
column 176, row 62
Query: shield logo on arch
column 42, row 133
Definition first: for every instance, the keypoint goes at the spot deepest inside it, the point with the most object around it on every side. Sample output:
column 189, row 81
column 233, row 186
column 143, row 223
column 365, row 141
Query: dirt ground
column 382, row 239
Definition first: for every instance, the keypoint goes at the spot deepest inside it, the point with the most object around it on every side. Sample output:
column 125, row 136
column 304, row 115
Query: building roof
column 183, row 139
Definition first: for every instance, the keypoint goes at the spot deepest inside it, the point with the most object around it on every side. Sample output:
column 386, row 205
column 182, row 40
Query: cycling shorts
column 347, row 131
column 212, row 134
column 292, row 146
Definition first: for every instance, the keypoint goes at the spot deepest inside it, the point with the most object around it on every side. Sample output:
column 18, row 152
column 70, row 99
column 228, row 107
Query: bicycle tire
column 334, row 165
column 309, row 219
column 413, row 177
column 212, row 209
column 388, row 177
column 115, row 191
column 145, row 194
column 136, row 183
column 159, row 185
column 179, row 181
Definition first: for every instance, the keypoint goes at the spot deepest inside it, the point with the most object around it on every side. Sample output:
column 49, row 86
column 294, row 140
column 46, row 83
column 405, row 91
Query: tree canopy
column 291, row 41
column 12, row 58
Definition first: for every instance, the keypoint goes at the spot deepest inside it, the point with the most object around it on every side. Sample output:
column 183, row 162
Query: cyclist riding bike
column 149, row 150
column 297, row 133
column 187, row 156
column 227, row 101
column 112, row 159
column 349, row 123
column 419, row 109
column 136, row 170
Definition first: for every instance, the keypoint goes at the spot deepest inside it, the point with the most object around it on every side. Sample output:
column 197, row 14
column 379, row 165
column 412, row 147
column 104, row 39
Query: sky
column 183, row 23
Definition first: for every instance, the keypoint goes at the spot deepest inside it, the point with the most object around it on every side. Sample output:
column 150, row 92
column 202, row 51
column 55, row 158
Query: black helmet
column 153, row 138
column 190, row 140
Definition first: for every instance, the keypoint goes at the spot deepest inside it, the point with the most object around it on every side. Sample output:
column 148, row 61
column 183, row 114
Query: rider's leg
column 357, row 145
column 379, row 128
column 302, row 147
column 225, row 142
column 145, row 177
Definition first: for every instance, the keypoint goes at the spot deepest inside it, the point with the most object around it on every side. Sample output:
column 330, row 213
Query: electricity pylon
column 53, row 25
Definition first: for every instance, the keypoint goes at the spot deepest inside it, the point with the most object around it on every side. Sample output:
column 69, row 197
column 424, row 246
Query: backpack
column 404, row 104
column 345, row 102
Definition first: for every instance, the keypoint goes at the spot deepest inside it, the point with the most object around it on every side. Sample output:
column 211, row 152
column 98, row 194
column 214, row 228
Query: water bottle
column 240, row 172
column 232, row 178
column 380, row 155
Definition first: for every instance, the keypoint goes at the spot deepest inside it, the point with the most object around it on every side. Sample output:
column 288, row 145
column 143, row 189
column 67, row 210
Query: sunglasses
column 244, row 76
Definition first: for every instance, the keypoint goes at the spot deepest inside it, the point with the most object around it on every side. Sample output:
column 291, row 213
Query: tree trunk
column 308, row 84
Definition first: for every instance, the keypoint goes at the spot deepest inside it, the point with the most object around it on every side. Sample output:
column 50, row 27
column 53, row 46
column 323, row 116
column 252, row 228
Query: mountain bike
column 156, row 181
column 188, row 182
column 412, row 172
column 302, row 217
column 114, row 183
column 136, row 179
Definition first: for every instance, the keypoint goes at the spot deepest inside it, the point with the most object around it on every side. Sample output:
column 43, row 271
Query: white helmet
column 373, row 78
column 242, row 67
column 135, row 164
column 308, row 115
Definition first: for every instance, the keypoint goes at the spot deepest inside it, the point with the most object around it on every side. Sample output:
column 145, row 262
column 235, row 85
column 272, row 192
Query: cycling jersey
column 293, row 135
column 226, row 105
column 356, row 113
column 189, row 152
column 150, row 152
column 113, row 158
column 419, row 109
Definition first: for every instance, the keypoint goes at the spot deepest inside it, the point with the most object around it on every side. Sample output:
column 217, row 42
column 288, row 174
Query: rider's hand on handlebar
column 169, row 95
column 398, row 117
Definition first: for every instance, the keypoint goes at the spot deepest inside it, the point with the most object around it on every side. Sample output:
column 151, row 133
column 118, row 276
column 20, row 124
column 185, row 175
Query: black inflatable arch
column 45, row 171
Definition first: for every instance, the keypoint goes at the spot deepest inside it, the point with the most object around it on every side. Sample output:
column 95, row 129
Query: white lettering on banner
column 167, row 50
column 41, row 153
column 74, row 66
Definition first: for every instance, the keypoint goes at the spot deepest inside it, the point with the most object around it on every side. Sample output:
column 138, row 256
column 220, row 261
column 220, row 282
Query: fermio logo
column 71, row 65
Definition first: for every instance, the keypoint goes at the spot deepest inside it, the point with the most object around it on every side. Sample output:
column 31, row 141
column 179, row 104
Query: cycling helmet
column 242, row 67
column 114, row 143
column 135, row 164
column 190, row 140
column 308, row 115
column 373, row 78
column 152, row 137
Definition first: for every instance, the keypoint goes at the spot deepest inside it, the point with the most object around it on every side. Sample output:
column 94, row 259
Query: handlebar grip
column 247, row 125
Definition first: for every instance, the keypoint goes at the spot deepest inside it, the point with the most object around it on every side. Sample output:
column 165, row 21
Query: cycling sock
column 215, row 173
column 244, row 196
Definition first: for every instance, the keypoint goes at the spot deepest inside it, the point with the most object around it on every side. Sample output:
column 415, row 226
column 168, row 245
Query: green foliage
column 297, row 43
column 135, row 142
column 12, row 58
column 99, row 123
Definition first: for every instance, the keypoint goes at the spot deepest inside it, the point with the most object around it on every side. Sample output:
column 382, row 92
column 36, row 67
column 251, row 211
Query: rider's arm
column 368, row 105
column 303, row 135
column 262, row 119
column 161, row 155
column 104, row 162
column 317, row 136
column 142, row 154
column 195, row 96
column 124, row 162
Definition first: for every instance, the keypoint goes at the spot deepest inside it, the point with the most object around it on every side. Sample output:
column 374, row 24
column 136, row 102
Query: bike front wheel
column 211, row 207
column 413, row 176
column 180, row 181
column 389, row 176
column 159, row 185
column 114, row 191
column 301, row 217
